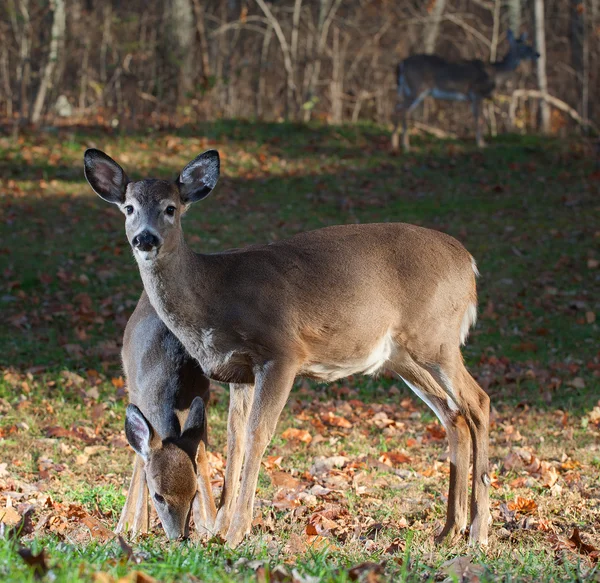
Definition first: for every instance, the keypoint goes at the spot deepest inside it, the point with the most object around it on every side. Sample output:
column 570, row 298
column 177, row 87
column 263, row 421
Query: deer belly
column 448, row 95
column 371, row 363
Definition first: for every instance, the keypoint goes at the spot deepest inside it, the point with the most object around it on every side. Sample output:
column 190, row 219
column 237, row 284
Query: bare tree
column 433, row 27
column 182, row 31
column 540, row 42
column 56, row 35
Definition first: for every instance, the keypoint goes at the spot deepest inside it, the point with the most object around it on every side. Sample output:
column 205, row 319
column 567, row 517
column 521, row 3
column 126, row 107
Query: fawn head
column 152, row 208
column 169, row 464
column 519, row 49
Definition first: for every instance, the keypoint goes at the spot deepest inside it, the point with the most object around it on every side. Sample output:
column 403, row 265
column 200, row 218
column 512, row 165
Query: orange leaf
column 394, row 458
column 523, row 505
column 293, row 434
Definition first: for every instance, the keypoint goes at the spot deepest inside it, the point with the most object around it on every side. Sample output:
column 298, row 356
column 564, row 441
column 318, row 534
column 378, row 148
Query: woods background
column 172, row 61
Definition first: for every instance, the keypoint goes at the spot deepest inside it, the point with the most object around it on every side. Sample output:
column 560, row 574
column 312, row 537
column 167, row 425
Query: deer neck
column 178, row 286
column 503, row 69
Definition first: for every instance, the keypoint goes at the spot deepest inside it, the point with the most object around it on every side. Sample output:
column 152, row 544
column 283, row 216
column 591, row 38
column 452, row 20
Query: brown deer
column 323, row 304
column 167, row 391
column 420, row 76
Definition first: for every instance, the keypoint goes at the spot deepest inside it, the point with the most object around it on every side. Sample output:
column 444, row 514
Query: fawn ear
column 194, row 429
column 199, row 177
column 107, row 179
column 138, row 431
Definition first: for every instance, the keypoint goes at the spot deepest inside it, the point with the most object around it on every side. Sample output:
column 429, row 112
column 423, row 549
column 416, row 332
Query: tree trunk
column 183, row 34
column 514, row 16
column 287, row 58
column 337, row 76
column 540, row 42
column 261, row 81
column 433, row 27
column 578, row 53
column 56, row 35
column 327, row 11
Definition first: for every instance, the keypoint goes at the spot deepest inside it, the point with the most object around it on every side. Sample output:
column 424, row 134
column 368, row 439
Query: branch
column 554, row 101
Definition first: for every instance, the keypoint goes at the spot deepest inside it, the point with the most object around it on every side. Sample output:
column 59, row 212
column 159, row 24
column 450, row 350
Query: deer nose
column 145, row 241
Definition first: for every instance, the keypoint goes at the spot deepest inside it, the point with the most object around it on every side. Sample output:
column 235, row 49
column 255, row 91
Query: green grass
column 526, row 207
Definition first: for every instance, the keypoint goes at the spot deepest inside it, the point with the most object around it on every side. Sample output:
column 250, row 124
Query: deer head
column 152, row 208
column 170, row 465
column 519, row 49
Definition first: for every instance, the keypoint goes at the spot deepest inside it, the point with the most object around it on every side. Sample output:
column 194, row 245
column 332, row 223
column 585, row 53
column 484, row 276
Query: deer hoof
column 236, row 533
column 450, row 534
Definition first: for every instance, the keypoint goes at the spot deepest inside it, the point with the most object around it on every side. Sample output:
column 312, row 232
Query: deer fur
column 420, row 76
column 323, row 304
column 167, row 392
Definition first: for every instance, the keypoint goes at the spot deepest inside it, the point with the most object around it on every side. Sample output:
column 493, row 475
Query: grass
column 526, row 207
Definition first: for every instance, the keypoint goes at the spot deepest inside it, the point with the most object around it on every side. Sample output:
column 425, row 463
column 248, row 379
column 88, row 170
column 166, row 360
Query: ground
column 354, row 485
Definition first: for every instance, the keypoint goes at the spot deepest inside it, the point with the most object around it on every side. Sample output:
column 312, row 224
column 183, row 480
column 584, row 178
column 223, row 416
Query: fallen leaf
column 9, row 516
column 394, row 458
column 36, row 562
column 283, row 480
column 293, row 434
column 523, row 505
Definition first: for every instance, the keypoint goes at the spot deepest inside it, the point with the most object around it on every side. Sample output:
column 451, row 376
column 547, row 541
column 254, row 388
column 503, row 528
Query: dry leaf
column 523, row 505
column 293, row 434
column 394, row 458
column 284, row 480
column 36, row 562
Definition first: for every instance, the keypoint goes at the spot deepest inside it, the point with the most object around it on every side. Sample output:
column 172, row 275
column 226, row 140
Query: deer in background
column 420, row 76
column 324, row 304
column 167, row 392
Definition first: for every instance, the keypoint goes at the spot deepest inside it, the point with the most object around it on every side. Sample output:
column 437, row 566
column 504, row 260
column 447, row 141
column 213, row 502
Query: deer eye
column 170, row 210
column 159, row 498
column 129, row 209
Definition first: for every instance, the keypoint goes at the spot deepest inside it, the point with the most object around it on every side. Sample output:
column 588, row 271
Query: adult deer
column 167, row 391
column 324, row 304
column 420, row 76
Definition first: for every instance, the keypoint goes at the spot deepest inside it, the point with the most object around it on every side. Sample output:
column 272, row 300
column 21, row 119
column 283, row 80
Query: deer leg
column 427, row 389
column 474, row 405
column 477, row 115
column 240, row 400
column 396, row 129
column 136, row 515
column 273, row 385
column 203, row 508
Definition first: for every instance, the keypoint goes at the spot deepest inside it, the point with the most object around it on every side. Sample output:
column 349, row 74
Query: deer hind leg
column 426, row 388
column 474, row 404
column 240, row 401
column 136, row 513
column 273, row 385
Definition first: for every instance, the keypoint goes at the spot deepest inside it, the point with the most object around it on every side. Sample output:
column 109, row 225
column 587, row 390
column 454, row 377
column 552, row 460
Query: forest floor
column 354, row 484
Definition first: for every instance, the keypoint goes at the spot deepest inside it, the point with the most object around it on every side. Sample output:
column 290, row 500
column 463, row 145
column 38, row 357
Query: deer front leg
column 136, row 514
column 396, row 130
column 273, row 385
column 477, row 115
column 240, row 401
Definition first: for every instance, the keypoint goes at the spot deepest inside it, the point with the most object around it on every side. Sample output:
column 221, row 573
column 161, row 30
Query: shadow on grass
column 69, row 282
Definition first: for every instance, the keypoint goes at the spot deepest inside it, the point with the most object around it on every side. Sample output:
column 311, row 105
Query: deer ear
column 138, row 431
column 523, row 37
column 199, row 177
column 194, row 430
column 510, row 36
column 107, row 179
